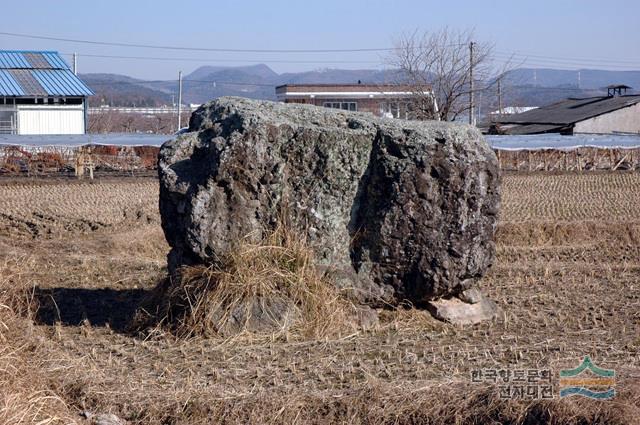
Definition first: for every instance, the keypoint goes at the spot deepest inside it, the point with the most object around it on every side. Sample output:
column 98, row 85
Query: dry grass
column 566, row 278
column 380, row 403
column 25, row 395
column 270, row 289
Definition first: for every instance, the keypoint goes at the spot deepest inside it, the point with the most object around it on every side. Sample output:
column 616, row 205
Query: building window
column 8, row 121
column 395, row 109
column 347, row 106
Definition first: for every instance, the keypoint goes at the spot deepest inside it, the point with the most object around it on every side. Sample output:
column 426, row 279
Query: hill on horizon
column 122, row 90
column 590, row 79
column 523, row 86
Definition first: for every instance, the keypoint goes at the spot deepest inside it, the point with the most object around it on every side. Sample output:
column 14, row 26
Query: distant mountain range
column 120, row 90
column 586, row 78
column 522, row 87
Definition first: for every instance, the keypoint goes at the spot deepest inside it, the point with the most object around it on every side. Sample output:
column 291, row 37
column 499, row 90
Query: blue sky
column 567, row 34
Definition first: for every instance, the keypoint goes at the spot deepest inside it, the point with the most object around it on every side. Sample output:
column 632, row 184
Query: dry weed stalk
column 16, row 293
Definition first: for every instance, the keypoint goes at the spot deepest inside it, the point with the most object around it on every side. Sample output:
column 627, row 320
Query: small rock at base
column 456, row 311
column 471, row 296
column 107, row 419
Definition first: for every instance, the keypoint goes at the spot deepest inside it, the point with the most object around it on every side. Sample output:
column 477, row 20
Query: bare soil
column 566, row 279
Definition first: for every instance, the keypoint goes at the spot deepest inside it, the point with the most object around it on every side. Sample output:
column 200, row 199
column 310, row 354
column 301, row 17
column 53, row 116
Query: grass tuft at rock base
column 269, row 289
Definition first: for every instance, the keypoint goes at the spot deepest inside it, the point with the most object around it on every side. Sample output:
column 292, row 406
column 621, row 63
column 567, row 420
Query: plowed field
column 566, row 279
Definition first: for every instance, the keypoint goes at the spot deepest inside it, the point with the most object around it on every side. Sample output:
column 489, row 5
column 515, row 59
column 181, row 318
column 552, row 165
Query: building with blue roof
column 40, row 94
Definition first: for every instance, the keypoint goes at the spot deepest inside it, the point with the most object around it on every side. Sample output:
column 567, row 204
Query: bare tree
column 436, row 65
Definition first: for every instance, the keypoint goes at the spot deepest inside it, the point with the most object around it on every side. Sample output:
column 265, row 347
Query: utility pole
column 471, row 88
column 179, row 100
column 75, row 63
column 579, row 78
column 500, row 96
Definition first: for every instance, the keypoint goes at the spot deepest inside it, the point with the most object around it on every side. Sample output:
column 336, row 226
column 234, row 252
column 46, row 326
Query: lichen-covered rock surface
column 395, row 210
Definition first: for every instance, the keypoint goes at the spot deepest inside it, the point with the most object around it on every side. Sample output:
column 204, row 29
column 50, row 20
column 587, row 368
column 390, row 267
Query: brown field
column 76, row 258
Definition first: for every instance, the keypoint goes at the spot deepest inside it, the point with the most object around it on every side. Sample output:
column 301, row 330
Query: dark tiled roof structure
column 562, row 115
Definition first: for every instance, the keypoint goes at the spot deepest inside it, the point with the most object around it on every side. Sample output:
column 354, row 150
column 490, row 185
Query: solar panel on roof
column 8, row 85
column 37, row 61
column 29, row 84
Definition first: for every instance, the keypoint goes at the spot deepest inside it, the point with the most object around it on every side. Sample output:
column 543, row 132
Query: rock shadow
column 365, row 216
column 101, row 307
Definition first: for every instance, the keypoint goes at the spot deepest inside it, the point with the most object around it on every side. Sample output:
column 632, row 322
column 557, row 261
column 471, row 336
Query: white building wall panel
column 52, row 119
column 625, row 120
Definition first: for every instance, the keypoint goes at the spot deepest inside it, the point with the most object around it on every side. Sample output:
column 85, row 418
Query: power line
column 564, row 65
column 232, row 83
column 216, row 60
column 199, row 49
column 103, row 83
column 271, row 85
column 567, row 58
column 517, row 54
column 550, row 62
column 501, row 57
column 208, row 49
column 568, row 63
column 537, row 88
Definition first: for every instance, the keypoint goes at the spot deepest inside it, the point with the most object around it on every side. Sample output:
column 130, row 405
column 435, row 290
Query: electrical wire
column 568, row 64
column 518, row 55
column 570, row 59
column 216, row 60
column 198, row 49
column 176, row 82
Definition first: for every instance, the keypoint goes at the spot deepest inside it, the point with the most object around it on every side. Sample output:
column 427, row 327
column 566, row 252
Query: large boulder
column 395, row 210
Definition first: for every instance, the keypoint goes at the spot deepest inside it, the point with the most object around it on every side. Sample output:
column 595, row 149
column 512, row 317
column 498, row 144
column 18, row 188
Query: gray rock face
column 395, row 210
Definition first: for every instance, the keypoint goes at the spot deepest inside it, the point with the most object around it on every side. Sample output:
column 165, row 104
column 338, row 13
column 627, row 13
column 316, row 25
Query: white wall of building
column 625, row 120
column 50, row 119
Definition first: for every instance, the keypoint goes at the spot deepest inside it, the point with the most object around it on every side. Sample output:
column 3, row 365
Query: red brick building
column 389, row 100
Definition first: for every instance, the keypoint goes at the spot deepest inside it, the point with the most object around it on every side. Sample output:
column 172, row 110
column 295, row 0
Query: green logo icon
column 572, row 383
